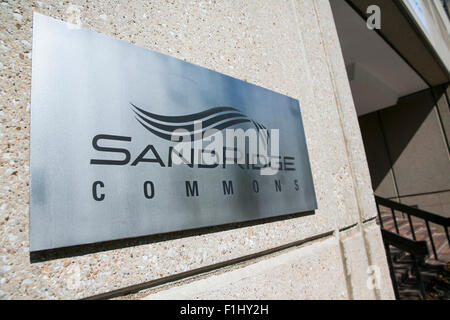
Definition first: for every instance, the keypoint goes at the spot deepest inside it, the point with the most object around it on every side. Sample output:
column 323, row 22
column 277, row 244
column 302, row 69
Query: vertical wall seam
column 305, row 63
column 348, row 280
column 447, row 96
column 389, row 155
column 439, row 117
column 441, row 129
column 339, row 111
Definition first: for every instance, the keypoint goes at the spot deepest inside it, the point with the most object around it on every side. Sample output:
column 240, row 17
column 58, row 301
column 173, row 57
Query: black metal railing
column 418, row 251
column 413, row 212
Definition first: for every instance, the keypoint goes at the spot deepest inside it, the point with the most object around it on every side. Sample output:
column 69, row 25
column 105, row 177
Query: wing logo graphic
column 217, row 118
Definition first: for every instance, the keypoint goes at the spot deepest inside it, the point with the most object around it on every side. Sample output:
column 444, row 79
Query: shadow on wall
column 407, row 145
column 386, row 133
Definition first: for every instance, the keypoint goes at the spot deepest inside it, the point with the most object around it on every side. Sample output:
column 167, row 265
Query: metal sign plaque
column 106, row 119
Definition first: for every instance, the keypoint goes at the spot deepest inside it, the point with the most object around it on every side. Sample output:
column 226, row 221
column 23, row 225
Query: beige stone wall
column 287, row 46
column 311, row 271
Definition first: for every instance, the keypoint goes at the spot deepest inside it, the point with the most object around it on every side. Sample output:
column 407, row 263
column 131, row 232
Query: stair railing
column 415, row 212
column 418, row 251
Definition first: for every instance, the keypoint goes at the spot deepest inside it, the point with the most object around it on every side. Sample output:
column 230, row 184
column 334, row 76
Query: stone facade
column 290, row 47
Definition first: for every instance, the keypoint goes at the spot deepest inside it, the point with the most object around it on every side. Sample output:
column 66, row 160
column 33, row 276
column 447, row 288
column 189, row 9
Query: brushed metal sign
column 103, row 116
